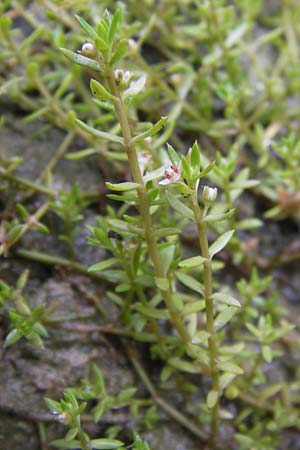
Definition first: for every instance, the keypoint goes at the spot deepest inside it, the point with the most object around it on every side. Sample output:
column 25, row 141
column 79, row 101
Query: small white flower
column 172, row 175
column 88, row 49
column 209, row 194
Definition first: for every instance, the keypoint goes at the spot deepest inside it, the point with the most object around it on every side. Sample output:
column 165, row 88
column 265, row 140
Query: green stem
column 144, row 206
column 172, row 412
column 209, row 309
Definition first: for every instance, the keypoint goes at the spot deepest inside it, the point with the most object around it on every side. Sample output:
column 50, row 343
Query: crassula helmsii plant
column 148, row 254
column 169, row 299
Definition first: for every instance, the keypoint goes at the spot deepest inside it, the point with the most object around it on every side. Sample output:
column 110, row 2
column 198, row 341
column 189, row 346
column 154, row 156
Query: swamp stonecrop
column 180, row 180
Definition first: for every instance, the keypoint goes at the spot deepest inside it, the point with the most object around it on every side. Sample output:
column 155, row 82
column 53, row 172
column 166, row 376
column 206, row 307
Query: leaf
column 220, row 243
column 119, row 52
column 52, row 405
column 102, row 265
column 195, row 157
column 153, row 130
column 267, row 353
column 174, row 157
column 81, row 60
column 193, row 307
column 98, row 411
column 106, row 444
column 211, row 218
column 99, row 134
column 179, row 206
column 114, row 25
column 212, row 398
column 255, row 331
column 195, row 261
column 81, row 154
column 12, row 337
column 190, row 282
column 167, row 253
column 230, row 367
column 86, row 27
column 224, row 317
column 126, row 186
column 98, row 379
column 72, row 433
column 126, row 394
column 185, row 366
column 14, row 233
column 226, row 379
column 225, row 298
column 99, row 91
column 249, row 224
column 135, row 87
column 162, row 283
column 61, row 443
column 151, row 312
column 101, row 44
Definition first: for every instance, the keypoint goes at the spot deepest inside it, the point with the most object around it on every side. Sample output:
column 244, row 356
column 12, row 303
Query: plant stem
column 209, row 309
column 144, row 206
column 172, row 412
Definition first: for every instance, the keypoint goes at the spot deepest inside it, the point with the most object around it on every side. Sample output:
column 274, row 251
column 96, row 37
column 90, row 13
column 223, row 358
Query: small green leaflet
column 220, row 243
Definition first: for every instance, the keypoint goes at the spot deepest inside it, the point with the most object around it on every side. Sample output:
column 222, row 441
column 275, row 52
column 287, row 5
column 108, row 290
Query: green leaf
column 255, row 331
column 53, row 406
column 220, row 243
column 185, row 366
column 21, row 211
column 12, row 337
column 101, row 44
column 135, row 87
column 153, row 130
column 119, row 51
column 102, row 265
column 98, row 379
column 100, row 92
column 267, row 353
column 225, row 298
column 230, row 367
column 173, row 155
column 126, row 394
column 212, row 398
column 193, row 307
column 81, row 154
column 99, row 134
column 249, row 224
column 206, row 170
column 195, row 157
column 226, row 379
column 14, row 233
column 224, row 317
column 179, row 206
column 106, row 444
column 72, row 433
column 151, row 312
column 114, row 25
column 86, row 27
column 211, row 218
column 98, row 411
column 81, row 60
column 126, row 186
column 195, row 261
column 190, row 282
column 61, row 443
column 162, row 283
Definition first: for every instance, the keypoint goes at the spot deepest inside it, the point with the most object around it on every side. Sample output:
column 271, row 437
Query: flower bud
column 88, row 49
column 209, row 194
column 62, row 418
column 123, row 78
